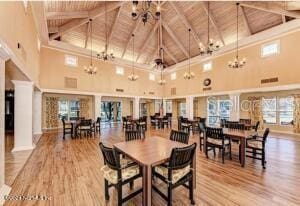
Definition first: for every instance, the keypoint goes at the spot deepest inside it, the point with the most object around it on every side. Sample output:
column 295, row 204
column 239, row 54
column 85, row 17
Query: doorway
column 111, row 111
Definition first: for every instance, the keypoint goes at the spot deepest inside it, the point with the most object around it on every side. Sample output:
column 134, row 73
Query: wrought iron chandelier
column 91, row 69
column 189, row 75
column 104, row 55
column 133, row 77
column 161, row 81
column 145, row 11
column 211, row 45
column 236, row 63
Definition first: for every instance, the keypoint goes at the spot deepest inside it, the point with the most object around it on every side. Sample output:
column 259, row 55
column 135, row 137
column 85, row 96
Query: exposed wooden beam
column 40, row 20
column 152, row 56
column 213, row 21
column 185, row 22
column 133, row 31
column 246, row 22
column 146, row 42
column 271, row 8
column 170, row 54
column 113, row 26
column 87, row 34
column 67, row 15
column 175, row 39
column 52, row 30
column 75, row 23
column 283, row 18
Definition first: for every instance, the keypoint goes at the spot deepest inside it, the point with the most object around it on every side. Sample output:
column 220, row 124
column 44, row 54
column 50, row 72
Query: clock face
column 206, row 82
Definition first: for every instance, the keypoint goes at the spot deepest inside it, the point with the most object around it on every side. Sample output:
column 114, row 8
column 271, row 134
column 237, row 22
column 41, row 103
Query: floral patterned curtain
column 255, row 111
column 84, row 107
column 51, row 112
column 296, row 122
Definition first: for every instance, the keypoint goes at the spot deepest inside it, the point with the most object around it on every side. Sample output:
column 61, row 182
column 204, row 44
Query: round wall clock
column 206, row 82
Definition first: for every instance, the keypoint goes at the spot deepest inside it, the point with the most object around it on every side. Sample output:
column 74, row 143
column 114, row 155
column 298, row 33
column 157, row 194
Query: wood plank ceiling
column 67, row 21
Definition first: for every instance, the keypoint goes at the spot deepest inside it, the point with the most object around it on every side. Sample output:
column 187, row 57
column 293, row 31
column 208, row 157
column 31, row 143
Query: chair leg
column 106, row 189
column 214, row 152
column 206, row 151
column 131, row 184
column 223, row 154
column 263, row 160
column 230, row 152
column 169, row 196
column 119, row 194
column 64, row 134
column 200, row 144
column 191, row 188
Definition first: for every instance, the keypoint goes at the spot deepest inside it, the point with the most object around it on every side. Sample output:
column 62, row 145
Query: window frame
column 207, row 69
column 152, row 75
column 173, row 76
column 263, row 46
column 71, row 56
column 120, row 70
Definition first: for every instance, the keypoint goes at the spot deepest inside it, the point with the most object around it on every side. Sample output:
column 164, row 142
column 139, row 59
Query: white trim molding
column 4, row 190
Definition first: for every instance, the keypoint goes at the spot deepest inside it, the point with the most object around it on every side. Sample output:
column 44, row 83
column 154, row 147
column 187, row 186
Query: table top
column 238, row 133
column 150, row 151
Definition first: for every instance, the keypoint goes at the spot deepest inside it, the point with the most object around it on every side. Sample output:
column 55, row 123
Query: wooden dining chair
column 178, row 171
column 85, row 127
column 255, row 147
column 179, row 136
column 141, row 124
column 117, row 174
column 216, row 139
column 133, row 135
column 67, row 128
column 98, row 125
column 256, row 126
column 201, row 134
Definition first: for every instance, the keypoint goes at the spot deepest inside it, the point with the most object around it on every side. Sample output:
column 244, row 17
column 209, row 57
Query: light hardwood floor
column 69, row 172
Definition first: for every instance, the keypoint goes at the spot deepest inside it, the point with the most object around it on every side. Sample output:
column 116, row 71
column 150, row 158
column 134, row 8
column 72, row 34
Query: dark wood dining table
column 149, row 152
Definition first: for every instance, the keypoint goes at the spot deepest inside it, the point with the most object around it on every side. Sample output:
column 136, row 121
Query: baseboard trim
column 22, row 148
column 4, row 190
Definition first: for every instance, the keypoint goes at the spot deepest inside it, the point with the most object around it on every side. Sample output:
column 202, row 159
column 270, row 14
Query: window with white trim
column 207, row 66
column 119, row 70
column 269, row 108
column 71, row 60
column 151, row 76
column 173, row 76
column 286, row 110
column 270, row 49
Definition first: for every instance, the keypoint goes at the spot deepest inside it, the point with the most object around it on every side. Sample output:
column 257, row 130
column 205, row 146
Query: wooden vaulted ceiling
column 67, row 21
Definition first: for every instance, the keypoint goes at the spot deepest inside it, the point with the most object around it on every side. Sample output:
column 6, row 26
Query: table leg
column 147, row 185
column 194, row 171
column 243, row 152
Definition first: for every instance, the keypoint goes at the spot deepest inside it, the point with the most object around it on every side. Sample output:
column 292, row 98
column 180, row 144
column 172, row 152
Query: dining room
column 149, row 103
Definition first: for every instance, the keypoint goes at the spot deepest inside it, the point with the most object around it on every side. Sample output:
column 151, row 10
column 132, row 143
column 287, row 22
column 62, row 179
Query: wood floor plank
column 69, row 171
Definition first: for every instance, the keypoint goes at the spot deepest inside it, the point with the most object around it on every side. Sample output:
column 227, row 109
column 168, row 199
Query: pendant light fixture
column 91, row 69
column 211, row 46
column 133, row 76
column 189, row 75
column 236, row 63
column 105, row 55
column 145, row 11
column 162, row 81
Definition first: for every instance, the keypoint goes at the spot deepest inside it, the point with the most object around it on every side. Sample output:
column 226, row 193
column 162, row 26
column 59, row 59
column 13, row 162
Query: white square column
column 97, row 106
column 235, row 107
column 189, row 102
column 37, row 113
column 2, row 123
column 136, row 107
column 23, row 118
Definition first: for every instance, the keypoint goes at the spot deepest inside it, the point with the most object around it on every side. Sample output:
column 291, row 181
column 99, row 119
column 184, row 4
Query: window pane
column 270, row 49
column 269, row 110
column 286, row 110
column 269, row 117
column 74, row 109
column 63, row 109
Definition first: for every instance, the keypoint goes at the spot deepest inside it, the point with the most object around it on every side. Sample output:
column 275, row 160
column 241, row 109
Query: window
column 182, row 109
column 71, row 60
column 173, row 76
column 68, row 109
column 286, row 110
column 119, row 70
column 151, row 77
column 269, row 110
column 218, row 109
column 207, row 66
column 270, row 49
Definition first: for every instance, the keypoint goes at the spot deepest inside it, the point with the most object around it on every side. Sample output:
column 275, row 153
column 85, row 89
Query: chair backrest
column 256, row 126
column 179, row 136
column 98, row 119
column 86, row 122
column 266, row 133
column 157, row 114
column 109, row 157
column 182, row 157
column 169, row 114
column 81, row 118
column 238, row 126
column 245, row 121
column 215, row 133
column 143, row 119
column 63, row 121
column 202, row 126
column 132, row 135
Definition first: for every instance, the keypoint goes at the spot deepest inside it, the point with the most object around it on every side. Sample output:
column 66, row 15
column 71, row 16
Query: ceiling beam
column 133, row 31
column 246, row 22
column 114, row 26
column 38, row 11
column 283, row 18
column 185, row 22
column 152, row 56
column 175, row 39
column 213, row 21
column 52, row 30
column 272, row 8
column 170, row 54
column 75, row 23
column 146, row 42
column 87, row 34
column 67, row 15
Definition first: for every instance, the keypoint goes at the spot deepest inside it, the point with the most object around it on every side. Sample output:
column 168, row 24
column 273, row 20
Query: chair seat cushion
column 84, row 127
column 68, row 126
column 112, row 175
column 254, row 144
column 141, row 123
column 185, row 125
column 176, row 174
column 217, row 141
